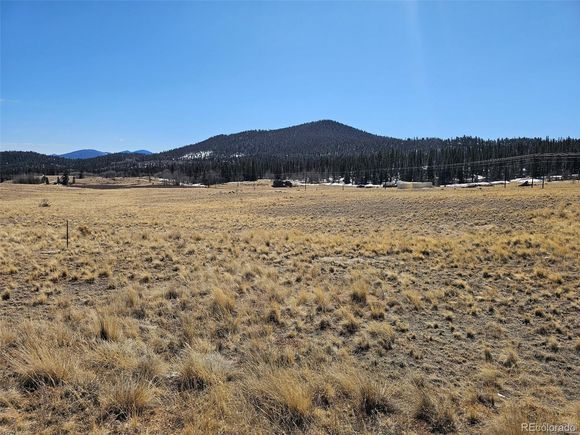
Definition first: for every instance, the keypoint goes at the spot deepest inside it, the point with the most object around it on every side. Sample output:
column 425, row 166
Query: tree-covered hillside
column 324, row 150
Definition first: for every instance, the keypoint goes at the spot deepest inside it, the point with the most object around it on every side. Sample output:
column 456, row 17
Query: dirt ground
column 248, row 309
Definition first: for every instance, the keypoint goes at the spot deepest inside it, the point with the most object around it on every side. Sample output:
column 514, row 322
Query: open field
column 229, row 310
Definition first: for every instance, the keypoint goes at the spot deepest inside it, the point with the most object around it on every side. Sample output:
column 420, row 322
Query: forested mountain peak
column 322, row 150
column 318, row 137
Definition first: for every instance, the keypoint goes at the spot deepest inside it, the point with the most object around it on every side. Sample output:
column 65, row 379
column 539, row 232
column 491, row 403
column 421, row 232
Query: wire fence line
column 539, row 167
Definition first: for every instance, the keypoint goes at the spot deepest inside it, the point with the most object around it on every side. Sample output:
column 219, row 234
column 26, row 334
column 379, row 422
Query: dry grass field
column 256, row 310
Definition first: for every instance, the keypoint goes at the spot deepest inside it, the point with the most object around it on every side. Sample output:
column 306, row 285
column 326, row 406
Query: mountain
column 83, row 154
column 89, row 154
column 319, row 150
column 318, row 138
column 143, row 152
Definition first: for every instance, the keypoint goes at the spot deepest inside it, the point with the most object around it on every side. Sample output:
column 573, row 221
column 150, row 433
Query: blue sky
column 158, row 75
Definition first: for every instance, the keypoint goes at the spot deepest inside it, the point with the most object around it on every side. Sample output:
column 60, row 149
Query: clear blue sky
column 158, row 75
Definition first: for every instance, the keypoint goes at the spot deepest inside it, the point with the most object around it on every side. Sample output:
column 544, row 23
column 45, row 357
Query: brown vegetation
column 242, row 310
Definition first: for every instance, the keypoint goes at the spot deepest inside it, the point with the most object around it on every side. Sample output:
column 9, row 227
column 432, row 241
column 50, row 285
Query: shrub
column 281, row 183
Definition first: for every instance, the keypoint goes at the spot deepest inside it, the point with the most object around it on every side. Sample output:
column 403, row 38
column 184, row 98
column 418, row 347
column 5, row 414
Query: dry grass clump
column 273, row 314
column 368, row 396
column 281, row 396
column 437, row 412
column 106, row 327
column 383, row 333
column 359, row 292
column 321, row 300
column 223, row 303
column 350, row 323
column 42, row 364
column 150, row 367
column 197, row 371
column 414, row 298
column 8, row 335
column 509, row 358
column 552, row 343
column 128, row 397
column 516, row 416
column 173, row 293
column 377, row 311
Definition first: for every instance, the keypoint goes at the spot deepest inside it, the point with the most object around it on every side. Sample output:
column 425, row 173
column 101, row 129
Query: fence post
column 67, row 234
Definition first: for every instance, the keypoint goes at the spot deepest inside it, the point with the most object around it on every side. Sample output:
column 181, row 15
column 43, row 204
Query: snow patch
column 197, row 155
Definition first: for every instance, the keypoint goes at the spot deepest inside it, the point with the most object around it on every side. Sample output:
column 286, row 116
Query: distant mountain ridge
column 319, row 137
column 321, row 147
column 83, row 154
column 90, row 153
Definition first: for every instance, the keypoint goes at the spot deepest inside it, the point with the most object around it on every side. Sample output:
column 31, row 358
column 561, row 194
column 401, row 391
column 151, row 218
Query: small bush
column 281, row 183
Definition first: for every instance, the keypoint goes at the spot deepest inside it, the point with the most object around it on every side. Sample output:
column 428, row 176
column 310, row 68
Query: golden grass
column 230, row 310
column 37, row 365
column 128, row 398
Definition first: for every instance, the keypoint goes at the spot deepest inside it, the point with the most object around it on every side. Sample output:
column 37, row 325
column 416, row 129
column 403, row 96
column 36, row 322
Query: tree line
column 441, row 162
